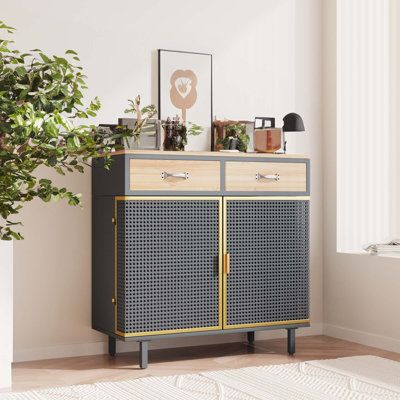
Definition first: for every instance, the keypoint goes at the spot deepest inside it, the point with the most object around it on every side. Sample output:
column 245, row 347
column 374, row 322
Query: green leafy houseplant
column 40, row 98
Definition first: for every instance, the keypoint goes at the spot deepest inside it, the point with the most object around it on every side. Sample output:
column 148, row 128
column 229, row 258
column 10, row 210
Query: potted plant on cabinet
column 176, row 133
column 235, row 137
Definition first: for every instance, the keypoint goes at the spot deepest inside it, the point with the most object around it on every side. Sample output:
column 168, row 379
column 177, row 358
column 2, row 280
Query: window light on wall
column 368, row 145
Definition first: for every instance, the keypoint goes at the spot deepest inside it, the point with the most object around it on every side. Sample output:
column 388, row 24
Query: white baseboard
column 5, row 373
column 94, row 348
column 59, row 351
column 88, row 349
column 365, row 338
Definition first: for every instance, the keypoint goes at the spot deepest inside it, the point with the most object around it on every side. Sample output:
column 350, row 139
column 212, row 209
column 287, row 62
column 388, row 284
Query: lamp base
column 296, row 143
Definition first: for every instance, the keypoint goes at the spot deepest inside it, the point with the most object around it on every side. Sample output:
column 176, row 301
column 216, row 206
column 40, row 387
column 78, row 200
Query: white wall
column 361, row 293
column 267, row 61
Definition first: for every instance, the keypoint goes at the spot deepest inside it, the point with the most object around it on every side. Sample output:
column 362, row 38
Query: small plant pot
column 175, row 136
column 231, row 144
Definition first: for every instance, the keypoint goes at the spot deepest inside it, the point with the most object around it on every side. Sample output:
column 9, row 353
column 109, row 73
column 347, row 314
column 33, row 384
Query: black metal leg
column 144, row 348
column 250, row 337
column 291, row 341
column 112, row 346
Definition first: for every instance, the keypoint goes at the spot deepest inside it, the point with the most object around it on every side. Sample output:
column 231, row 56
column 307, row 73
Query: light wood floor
column 78, row 370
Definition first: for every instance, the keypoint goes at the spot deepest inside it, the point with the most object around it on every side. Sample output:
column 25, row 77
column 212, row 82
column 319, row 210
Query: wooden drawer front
column 266, row 176
column 156, row 175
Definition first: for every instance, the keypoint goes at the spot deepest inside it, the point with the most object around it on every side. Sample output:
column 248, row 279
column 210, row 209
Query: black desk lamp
column 292, row 123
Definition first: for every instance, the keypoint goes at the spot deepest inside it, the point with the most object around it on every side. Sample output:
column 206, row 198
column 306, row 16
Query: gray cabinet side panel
column 108, row 182
column 103, row 249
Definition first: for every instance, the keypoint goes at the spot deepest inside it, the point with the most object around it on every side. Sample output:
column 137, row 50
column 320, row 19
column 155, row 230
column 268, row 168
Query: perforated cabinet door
column 268, row 243
column 168, row 265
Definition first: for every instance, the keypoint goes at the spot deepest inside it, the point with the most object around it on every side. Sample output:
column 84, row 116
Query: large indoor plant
column 41, row 114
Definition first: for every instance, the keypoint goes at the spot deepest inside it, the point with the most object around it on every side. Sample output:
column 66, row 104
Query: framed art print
column 185, row 90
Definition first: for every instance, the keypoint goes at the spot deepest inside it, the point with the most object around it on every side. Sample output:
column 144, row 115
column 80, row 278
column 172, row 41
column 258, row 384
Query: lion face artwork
column 183, row 92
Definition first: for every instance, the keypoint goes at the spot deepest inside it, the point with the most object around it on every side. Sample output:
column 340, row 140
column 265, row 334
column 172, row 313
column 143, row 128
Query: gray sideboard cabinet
column 199, row 243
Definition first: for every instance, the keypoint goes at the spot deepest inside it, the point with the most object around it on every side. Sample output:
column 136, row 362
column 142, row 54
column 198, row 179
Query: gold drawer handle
column 274, row 177
column 182, row 175
column 227, row 263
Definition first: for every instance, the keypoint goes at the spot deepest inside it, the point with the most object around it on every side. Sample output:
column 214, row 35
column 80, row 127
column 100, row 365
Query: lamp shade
column 293, row 123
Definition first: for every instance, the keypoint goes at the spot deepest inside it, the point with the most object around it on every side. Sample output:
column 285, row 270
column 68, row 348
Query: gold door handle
column 227, row 263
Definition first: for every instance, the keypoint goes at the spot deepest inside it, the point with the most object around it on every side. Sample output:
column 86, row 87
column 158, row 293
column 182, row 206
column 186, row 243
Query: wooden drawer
column 175, row 175
column 266, row 176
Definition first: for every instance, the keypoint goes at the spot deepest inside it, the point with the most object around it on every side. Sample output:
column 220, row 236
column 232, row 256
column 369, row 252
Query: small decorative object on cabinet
column 264, row 122
column 231, row 135
column 292, row 122
column 144, row 130
column 176, row 133
column 149, row 137
column 185, row 89
column 267, row 138
column 199, row 243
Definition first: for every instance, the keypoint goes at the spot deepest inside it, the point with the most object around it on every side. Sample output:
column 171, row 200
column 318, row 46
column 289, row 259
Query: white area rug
column 355, row 378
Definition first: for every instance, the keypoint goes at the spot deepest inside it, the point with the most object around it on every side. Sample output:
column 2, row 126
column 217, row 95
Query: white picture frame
column 185, row 90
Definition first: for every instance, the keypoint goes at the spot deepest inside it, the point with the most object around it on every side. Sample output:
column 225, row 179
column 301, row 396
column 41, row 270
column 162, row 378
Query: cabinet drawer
column 266, row 176
column 175, row 175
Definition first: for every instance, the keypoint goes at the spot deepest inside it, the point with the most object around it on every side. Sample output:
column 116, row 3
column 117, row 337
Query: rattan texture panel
column 167, row 261
column 268, row 242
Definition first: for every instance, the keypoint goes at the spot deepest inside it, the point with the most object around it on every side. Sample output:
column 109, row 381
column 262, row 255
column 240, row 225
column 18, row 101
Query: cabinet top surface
column 207, row 154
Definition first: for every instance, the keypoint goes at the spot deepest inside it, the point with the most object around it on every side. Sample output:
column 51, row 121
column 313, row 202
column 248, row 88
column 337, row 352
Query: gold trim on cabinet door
column 115, row 303
column 169, row 198
column 294, row 198
column 220, row 266
column 225, row 280
column 220, row 263
column 225, row 250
